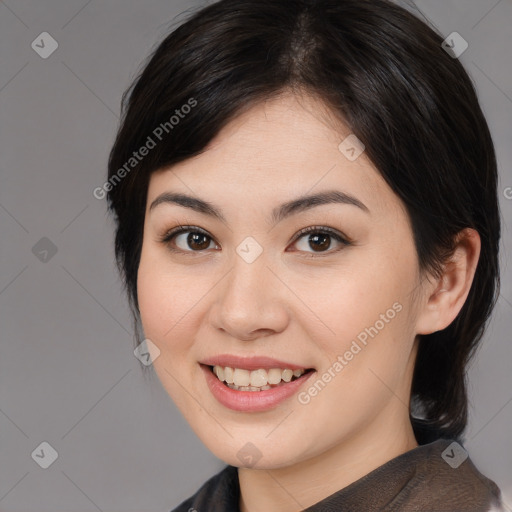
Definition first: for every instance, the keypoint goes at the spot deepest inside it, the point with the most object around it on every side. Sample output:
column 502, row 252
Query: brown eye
column 193, row 239
column 319, row 240
column 187, row 239
column 197, row 241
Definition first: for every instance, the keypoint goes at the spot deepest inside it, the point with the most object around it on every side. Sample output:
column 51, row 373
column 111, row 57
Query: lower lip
column 251, row 401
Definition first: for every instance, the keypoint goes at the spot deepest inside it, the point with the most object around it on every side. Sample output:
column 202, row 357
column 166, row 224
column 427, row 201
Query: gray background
column 68, row 375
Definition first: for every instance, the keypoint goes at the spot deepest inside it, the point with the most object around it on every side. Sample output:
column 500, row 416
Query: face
column 326, row 288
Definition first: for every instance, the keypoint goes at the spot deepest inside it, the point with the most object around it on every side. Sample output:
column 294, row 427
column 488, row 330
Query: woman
column 308, row 230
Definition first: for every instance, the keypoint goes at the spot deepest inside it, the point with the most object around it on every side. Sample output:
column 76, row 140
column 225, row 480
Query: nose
column 250, row 301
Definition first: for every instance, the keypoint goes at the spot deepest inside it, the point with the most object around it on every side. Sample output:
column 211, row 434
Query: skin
column 295, row 302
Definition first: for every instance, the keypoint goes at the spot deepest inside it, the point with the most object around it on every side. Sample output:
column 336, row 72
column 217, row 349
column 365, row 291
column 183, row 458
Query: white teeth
column 228, row 375
column 287, row 375
column 256, row 380
column 219, row 371
column 274, row 376
column 248, row 388
column 241, row 377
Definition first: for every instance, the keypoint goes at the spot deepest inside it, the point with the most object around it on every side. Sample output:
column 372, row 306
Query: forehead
column 277, row 150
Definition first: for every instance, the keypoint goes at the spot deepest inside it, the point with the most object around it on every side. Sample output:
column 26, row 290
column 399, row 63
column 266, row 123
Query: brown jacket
column 434, row 477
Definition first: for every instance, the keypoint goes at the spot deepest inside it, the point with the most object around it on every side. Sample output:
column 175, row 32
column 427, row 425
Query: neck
column 294, row 488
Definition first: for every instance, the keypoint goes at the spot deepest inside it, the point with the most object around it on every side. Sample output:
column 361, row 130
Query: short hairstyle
column 384, row 73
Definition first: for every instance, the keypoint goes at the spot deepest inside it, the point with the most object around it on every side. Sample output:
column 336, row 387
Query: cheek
column 162, row 301
column 369, row 310
column 154, row 303
column 165, row 323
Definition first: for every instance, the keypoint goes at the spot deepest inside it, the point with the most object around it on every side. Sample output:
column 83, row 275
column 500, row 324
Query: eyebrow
column 278, row 214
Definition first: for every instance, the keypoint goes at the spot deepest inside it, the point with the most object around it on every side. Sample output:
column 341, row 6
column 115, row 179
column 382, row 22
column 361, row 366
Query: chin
column 252, row 450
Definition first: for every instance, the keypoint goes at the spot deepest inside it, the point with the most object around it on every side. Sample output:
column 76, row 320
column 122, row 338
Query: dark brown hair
column 383, row 72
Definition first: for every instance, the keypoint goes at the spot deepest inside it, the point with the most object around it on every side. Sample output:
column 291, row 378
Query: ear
column 447, row 294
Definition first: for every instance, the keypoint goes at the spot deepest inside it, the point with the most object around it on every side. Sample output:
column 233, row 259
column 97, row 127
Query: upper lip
column 250, row 363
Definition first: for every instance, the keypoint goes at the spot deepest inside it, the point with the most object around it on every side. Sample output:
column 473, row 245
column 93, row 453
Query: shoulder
column 436, row 476
column 447, row 479
column 219, row 493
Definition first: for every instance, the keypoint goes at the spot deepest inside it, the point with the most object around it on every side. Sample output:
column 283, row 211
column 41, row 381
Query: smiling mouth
column 240, row 379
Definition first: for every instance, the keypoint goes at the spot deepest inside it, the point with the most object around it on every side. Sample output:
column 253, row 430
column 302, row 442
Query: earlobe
column 447, row 295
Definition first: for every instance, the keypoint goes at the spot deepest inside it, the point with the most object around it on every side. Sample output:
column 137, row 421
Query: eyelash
column 169, row 235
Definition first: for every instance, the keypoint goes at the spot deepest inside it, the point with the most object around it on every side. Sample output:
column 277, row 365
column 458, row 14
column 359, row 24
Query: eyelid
column 183, row 227
column 179, row 229
column 337, row 235
column 323, row 229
